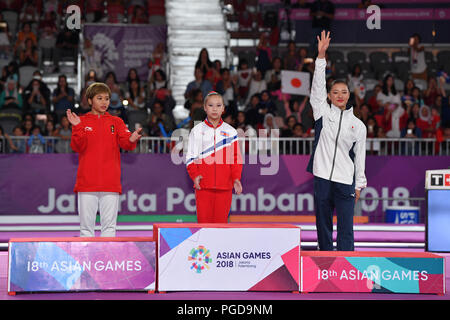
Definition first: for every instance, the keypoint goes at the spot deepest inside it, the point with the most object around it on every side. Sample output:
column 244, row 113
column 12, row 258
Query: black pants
column 329, row 195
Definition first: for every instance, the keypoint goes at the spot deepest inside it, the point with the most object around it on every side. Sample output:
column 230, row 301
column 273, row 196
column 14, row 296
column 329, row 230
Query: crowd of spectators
column 253, row 95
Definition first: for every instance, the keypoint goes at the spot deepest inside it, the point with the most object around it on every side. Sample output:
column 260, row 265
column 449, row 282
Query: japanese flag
column 295, row 82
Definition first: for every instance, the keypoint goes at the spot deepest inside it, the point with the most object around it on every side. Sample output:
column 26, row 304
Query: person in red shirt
column 214, row 163
column 97, row 137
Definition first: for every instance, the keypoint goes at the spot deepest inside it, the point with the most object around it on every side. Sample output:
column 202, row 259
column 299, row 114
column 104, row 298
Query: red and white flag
column 295, row 82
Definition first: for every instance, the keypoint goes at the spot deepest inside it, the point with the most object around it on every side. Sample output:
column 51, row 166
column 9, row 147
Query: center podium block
column 377, row 272
column 227, row 257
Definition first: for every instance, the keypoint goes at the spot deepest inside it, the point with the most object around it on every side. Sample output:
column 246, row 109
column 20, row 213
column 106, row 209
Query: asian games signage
column 236, row 259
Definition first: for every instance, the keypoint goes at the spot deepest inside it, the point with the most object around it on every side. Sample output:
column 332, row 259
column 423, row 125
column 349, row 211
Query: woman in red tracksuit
column 97, row 137
column 214, row 163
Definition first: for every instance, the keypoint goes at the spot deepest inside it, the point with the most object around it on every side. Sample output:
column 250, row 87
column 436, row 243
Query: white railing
column 299, row 146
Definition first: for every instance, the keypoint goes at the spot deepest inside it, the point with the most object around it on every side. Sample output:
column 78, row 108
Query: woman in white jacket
column 338, row 158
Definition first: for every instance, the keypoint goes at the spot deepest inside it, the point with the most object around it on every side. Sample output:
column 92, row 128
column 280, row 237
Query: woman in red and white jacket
column 214, row 163
column 97, row 137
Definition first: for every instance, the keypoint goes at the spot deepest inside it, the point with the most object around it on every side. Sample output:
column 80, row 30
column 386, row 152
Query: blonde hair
column 97, row 88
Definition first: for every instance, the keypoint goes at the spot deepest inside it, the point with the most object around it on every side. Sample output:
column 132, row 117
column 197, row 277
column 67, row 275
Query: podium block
column 227, row 257
column 81, row 264
column 388, row 272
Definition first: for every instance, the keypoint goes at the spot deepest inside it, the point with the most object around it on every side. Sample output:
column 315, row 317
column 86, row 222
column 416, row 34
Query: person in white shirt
column 417, row 58
column 338, row 158
column 390, row 99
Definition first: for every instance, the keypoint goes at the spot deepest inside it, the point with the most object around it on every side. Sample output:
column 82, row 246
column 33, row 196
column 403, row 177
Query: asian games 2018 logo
column 200, row 258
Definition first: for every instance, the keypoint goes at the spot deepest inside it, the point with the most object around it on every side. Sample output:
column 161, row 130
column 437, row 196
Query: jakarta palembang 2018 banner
column 42, row 184
column 119, row 48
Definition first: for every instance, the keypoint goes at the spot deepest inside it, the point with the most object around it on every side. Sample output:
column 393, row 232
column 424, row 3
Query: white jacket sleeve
column 360, row 159
column 318, row 97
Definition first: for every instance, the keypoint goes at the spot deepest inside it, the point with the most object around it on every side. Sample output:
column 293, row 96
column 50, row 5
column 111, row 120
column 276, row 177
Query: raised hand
column 136, row 135
column 73, row 118
column 323, row 43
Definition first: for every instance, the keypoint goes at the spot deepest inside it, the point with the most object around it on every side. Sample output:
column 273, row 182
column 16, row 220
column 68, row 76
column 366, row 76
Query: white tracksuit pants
column 88, row 205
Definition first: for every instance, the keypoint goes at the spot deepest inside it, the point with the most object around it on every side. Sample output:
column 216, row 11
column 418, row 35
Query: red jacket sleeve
column 78, row 141
column 124, row 136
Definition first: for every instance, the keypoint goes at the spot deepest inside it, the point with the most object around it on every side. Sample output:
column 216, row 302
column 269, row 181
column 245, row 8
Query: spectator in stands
column 28, row 126
column 135, row 96
column 132, row 75
column 160, row 124
column 291, row 60
column 266, row 104
column 286, row 131
column 373, row 102
column 29, row 55
column 252, row 114
column 116, row 107
column 417, row 58
column 53, row 6
column 22, row 36
column 244, row 76
column 63, row 97
column 410, row 132
column 197, row 113
column 158, row 81
column 364, row 113
column 203, row 62
column 394, row 114
column 115, row 9
column 94, row 10
column 112, row 83
column 64, row 132
column 257, row 85
column 36, row 143
column 66, row 46
column 36, row 99
column 322, row 14
column 29, row 14
column 241, row 123
column 16, row 145
column 294, row 108
column 157, row 60
column 139, row 15
column 227, row 87
column 273, row 76
column 417, row 96
column 428, row 121
column 5, row 35
column 50, row 133
column 356, row 85
column 204, row 85
column 372, row 127
column 409, row 85
column 11, row 96
column 263, row 55
column 431, row 92
column 268, row 126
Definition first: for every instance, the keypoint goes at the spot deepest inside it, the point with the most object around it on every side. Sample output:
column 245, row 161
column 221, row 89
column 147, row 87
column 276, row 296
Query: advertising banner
column 120, row 47
column 394, row 273
column 201, row 257
column 63, row 264
column 152, row 184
